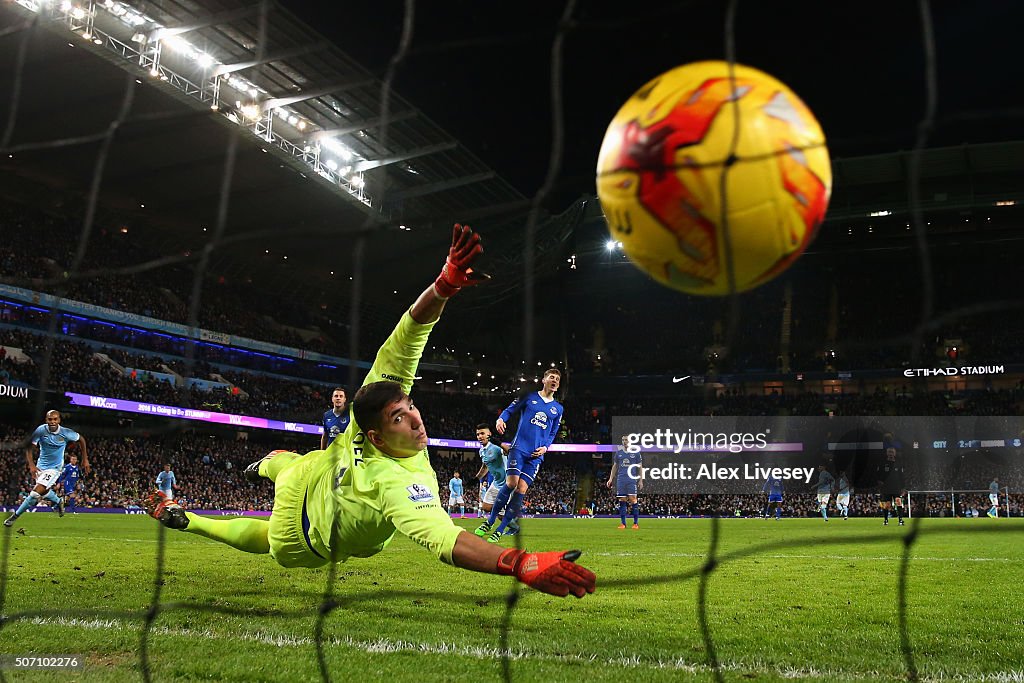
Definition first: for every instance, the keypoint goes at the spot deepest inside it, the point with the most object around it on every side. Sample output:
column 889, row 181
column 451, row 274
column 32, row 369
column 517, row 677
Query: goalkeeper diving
column 375, row 478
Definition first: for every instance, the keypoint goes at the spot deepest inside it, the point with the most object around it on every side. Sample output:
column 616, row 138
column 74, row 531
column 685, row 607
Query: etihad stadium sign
column 955, row 372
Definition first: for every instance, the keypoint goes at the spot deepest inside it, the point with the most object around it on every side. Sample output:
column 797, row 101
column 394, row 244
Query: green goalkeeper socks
column 248, row 535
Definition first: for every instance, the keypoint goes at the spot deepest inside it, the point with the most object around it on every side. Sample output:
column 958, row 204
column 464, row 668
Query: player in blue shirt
column 993, row 497
column 539, row 417
column 629, row 480
column 166, row 482
column 336, row 419
column 493, row 461
column 825, row 482
column 773, row 487
column 52, row 439
column 68, row 482
column 843, row 495
column 455, row 495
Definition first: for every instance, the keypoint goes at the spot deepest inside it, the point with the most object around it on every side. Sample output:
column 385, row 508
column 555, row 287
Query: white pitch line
column 773, row 556
column 30, row 535
column 81, row 537
column 384, row 646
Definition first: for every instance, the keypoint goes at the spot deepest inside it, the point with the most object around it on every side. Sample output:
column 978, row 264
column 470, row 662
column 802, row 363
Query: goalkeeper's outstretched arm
column 455, row 275
column 555, row 573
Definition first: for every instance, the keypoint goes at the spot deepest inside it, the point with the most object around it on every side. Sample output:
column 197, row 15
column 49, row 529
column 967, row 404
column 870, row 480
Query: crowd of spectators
column 208, row 469
column 822, row 314
column 75, row 366
column 227, row 306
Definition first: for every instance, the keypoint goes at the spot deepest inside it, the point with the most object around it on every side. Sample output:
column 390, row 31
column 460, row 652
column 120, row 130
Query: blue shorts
column 776, row 498
column 625, row 486
column 523, row 466
column 69, row 487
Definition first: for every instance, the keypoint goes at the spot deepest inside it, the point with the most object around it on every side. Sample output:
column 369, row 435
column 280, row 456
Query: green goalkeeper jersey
column 359, row 496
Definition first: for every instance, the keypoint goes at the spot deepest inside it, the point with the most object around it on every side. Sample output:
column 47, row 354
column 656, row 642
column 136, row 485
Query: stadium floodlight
column 78, row 13
column 338, row 148
column 251, row 111
column 357, row 180
column 65, row 5
column 610, row 245
column 205, row 60
column 332, row 164
column 176, row 43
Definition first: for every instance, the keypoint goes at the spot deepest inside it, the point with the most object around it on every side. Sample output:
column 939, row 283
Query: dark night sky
column 482, row 69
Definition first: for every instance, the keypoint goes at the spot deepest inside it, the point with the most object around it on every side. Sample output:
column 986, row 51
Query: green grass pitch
column 803, row 607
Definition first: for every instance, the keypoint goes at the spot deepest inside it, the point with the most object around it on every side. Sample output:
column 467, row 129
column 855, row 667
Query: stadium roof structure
column 321, row 155
column 324, row 150
column 962, row 178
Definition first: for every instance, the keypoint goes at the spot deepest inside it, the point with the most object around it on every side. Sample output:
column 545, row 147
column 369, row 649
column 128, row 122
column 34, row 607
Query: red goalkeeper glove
column 555, row 573
column 457, row 273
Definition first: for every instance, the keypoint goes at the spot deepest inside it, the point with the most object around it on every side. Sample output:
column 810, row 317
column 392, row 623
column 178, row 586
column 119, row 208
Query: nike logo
column 677, row 380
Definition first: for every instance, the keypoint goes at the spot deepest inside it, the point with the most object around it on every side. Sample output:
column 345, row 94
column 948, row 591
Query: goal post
column 955, row 497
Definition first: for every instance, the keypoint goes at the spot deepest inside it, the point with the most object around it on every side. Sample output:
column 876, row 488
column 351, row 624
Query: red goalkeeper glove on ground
column 555, row 573
column 457, row 273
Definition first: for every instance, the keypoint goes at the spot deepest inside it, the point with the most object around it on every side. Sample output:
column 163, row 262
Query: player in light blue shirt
column 539, row 417
column 773, row 487
column 51, row 439
column 843, row 495
column 68, row 482
column 166, row 482
column 455, row 495
column 825, row 482
column 493, row 461
column 993, row 497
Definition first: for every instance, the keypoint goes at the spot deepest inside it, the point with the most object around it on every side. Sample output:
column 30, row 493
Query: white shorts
column 491, row 495
column 47, row 478
column 843, row 500
column 823, row 498
column 456, row 500
column 994, row 498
